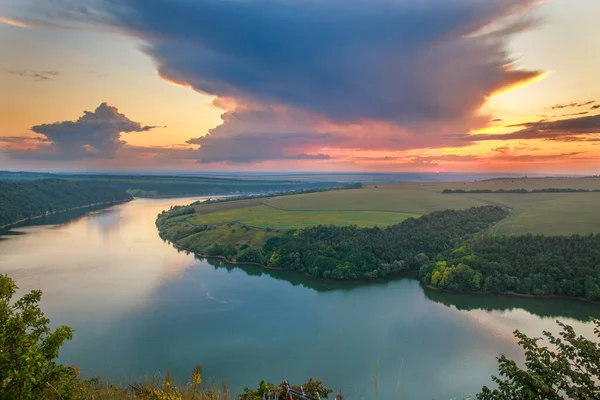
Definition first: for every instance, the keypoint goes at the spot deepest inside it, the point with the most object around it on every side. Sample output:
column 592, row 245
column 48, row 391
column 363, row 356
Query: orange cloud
column 521, row 79
column 13, row 22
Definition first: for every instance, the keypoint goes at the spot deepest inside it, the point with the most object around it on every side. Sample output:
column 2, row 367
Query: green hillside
column 24, row 200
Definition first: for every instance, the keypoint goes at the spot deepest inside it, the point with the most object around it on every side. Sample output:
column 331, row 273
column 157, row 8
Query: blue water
column 139, row 308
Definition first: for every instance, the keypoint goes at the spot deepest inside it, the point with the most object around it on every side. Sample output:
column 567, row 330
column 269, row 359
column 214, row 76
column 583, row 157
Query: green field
column 264, row 216
column 253, row 221
column 240, row 230
column 387, row 204
column 227, row 234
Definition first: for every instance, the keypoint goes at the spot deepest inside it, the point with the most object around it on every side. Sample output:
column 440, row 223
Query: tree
column 571, row 370
column 28, row 348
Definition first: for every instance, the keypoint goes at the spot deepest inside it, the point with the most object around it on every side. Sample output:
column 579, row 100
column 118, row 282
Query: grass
column 536, row 213
column 388, row 204
column 265, row 216
column 553, row 215
column 233, row 234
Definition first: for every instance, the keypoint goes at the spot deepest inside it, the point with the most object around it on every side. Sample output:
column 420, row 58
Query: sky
column 301, row 85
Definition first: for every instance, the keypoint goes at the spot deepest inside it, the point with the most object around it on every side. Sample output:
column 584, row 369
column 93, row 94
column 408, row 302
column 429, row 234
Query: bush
column 29, row 348
column 568, row 369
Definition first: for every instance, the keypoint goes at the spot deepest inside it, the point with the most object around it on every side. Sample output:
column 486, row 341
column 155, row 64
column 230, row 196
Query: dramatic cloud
column 418, row 71
column 347, row 60
column 95, row 134
column 36, row 75
column 589, row 125
column 248, row 148
column 244, row 137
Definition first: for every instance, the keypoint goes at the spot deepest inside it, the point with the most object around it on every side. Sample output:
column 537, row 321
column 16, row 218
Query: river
column 140, row 307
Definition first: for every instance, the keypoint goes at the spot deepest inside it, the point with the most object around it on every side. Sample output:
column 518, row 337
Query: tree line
column 447, row 249
column 23, row 200
column 536, row 265
column 353, row 253
column 169, row 185
column 520, row 191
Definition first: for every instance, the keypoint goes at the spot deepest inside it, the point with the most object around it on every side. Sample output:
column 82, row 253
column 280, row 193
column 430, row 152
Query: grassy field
column 387, row 204
column 233, row 234
column 264, row 216
column 537, row 213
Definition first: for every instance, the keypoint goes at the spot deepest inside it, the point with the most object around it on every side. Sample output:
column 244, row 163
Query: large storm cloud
column 95, row 134
column 387, row 60
column 424, row 68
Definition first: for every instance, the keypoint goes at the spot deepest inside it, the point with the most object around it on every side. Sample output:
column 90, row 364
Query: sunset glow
column 184, row 93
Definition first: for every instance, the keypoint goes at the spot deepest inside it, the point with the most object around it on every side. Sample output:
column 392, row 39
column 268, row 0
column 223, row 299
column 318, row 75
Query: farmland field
column 387, row 204
column 264, row 216
column 478, row 229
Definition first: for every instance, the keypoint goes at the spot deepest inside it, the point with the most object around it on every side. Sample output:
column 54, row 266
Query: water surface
column 140, row 307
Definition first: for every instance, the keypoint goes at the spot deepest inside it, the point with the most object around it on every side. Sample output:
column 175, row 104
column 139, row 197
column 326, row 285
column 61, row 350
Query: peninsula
column 480, row 239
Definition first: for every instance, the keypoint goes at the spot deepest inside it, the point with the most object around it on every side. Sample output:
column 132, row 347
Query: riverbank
column 488, row 293
column 390, row 278
column 413, row 274
column 154, row 308
column 100, row 204
column 323, row 246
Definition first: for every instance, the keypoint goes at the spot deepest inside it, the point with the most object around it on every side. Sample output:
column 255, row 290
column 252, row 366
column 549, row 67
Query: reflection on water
column 140, row 306
column 543, row 307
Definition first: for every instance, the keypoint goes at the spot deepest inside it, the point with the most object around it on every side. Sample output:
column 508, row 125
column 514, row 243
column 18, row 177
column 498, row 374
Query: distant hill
column 26, row 200
column 171, row 186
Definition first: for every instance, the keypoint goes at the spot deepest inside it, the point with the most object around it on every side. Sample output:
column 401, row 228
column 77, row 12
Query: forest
column 23, row 200
column 155, row 186
column 353, row 253
column 536, row 265
column 450, row 250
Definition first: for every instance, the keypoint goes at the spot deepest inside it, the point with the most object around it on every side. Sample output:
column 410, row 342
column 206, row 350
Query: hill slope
column 153, row 186
column 26, row 200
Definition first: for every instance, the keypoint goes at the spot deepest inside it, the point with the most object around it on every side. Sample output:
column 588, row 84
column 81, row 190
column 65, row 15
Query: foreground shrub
column 28, row 348
column 571, row 370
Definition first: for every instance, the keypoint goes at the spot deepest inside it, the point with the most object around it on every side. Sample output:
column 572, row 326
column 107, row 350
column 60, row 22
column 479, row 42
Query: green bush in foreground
column 570, row 368
column 29, row 347
column 571, row 371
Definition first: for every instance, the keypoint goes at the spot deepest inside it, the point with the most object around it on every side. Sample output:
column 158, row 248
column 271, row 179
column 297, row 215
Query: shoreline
column 271, row 268
column 408, row 273
column 515, row 294
column 103, row 203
